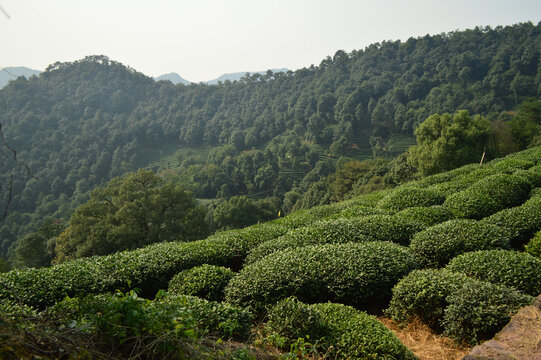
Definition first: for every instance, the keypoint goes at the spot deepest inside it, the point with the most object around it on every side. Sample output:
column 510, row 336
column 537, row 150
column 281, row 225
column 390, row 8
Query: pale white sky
column 202, row 39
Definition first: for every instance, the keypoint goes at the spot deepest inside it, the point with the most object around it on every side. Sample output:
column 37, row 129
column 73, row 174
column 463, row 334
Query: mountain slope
column 174, row 78
column 81, row 123
column 11, row 73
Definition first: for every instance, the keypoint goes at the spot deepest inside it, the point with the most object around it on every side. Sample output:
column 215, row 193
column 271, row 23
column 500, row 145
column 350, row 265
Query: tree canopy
column 130, row 212
column 446, row 142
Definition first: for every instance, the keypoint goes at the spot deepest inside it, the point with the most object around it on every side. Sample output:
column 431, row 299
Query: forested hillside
column 79, row 124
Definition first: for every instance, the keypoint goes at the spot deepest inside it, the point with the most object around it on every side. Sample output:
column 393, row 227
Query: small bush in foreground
column 423, row 293
column 478, row 310
column 205, row 281
column 438, row 244
column 360, row 274
column 534, row 246
column 510, row 268
column 409, row 196
column 338, row 330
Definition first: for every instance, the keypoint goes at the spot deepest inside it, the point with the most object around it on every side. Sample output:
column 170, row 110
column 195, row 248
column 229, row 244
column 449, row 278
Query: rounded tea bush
column 335, row 231
column 406, row 197
column 340, row 331
column 360, row 274
column 205, row 281
column 423, row 293
column 435, row 246
column 511, row 268
column 427, row 216
column 478, row 310
column 489, row 195
column 534, row 246
column 519, row 223
column 388, row 228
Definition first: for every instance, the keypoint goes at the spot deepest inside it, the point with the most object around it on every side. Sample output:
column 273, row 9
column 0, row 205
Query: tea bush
column 489, row 195
column 148, row 269
column 519, row 223
column 388, row 228
column 423, row 293
column 409, row 196
column 340, row 331
column 511, row 268
column 205, row 281
column 478, row 310
column 427, row 216
column 436, row 245
column 335, row 231
column 534, row 246
column 360, row 274
column 356, row 211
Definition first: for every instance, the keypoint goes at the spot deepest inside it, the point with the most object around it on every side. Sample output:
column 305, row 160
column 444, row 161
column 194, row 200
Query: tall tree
column 132, row 211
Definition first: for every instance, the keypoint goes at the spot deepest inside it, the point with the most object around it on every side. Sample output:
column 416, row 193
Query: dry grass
column 424, row 342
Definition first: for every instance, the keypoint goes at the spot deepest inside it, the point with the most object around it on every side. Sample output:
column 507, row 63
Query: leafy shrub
column 205, row 281
column 423, row 293
column 356, row 211
column 478, row 310
column 220, row 319
column 388, row 228
column 409, row 196
column 427, row 216
column 340, row 331
column 121, row 317
column 292, row 319
column 359, row 274
column 335, row 231
column 489, row 195
column 148, row 269
column 511, row 268
column 519, row 223
column 438, row 244
column 534, row 246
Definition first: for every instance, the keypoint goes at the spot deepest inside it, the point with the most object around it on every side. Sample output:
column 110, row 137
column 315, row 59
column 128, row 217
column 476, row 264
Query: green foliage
column 205, row 281
column 489, row 195
column 427, row 216
column 478, row 310
column 408, row 196
column 436, row 245
column 292, row 319
column 241, row 211
column 148, row 269
column 128, row 320
column 359, row 274
column 335, row 231
column 388, row 228
column 423, row 293
column 534, row 245
column 519, row 223
column 132, row 211
column 510, row 268
column 339, row 331
column 446, row 142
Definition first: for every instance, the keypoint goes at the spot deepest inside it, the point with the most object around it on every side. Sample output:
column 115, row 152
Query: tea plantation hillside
column 448, row 249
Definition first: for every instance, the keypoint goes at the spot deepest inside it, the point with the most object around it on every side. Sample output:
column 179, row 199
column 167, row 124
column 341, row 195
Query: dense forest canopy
column 81, row 123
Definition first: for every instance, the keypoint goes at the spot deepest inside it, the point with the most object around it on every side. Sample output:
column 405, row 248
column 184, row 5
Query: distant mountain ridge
column 177, row 79
column 238, row 75
column 12, row 73
column 174, row 78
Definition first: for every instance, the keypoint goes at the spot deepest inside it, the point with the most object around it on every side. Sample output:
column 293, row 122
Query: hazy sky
column 203, row 39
